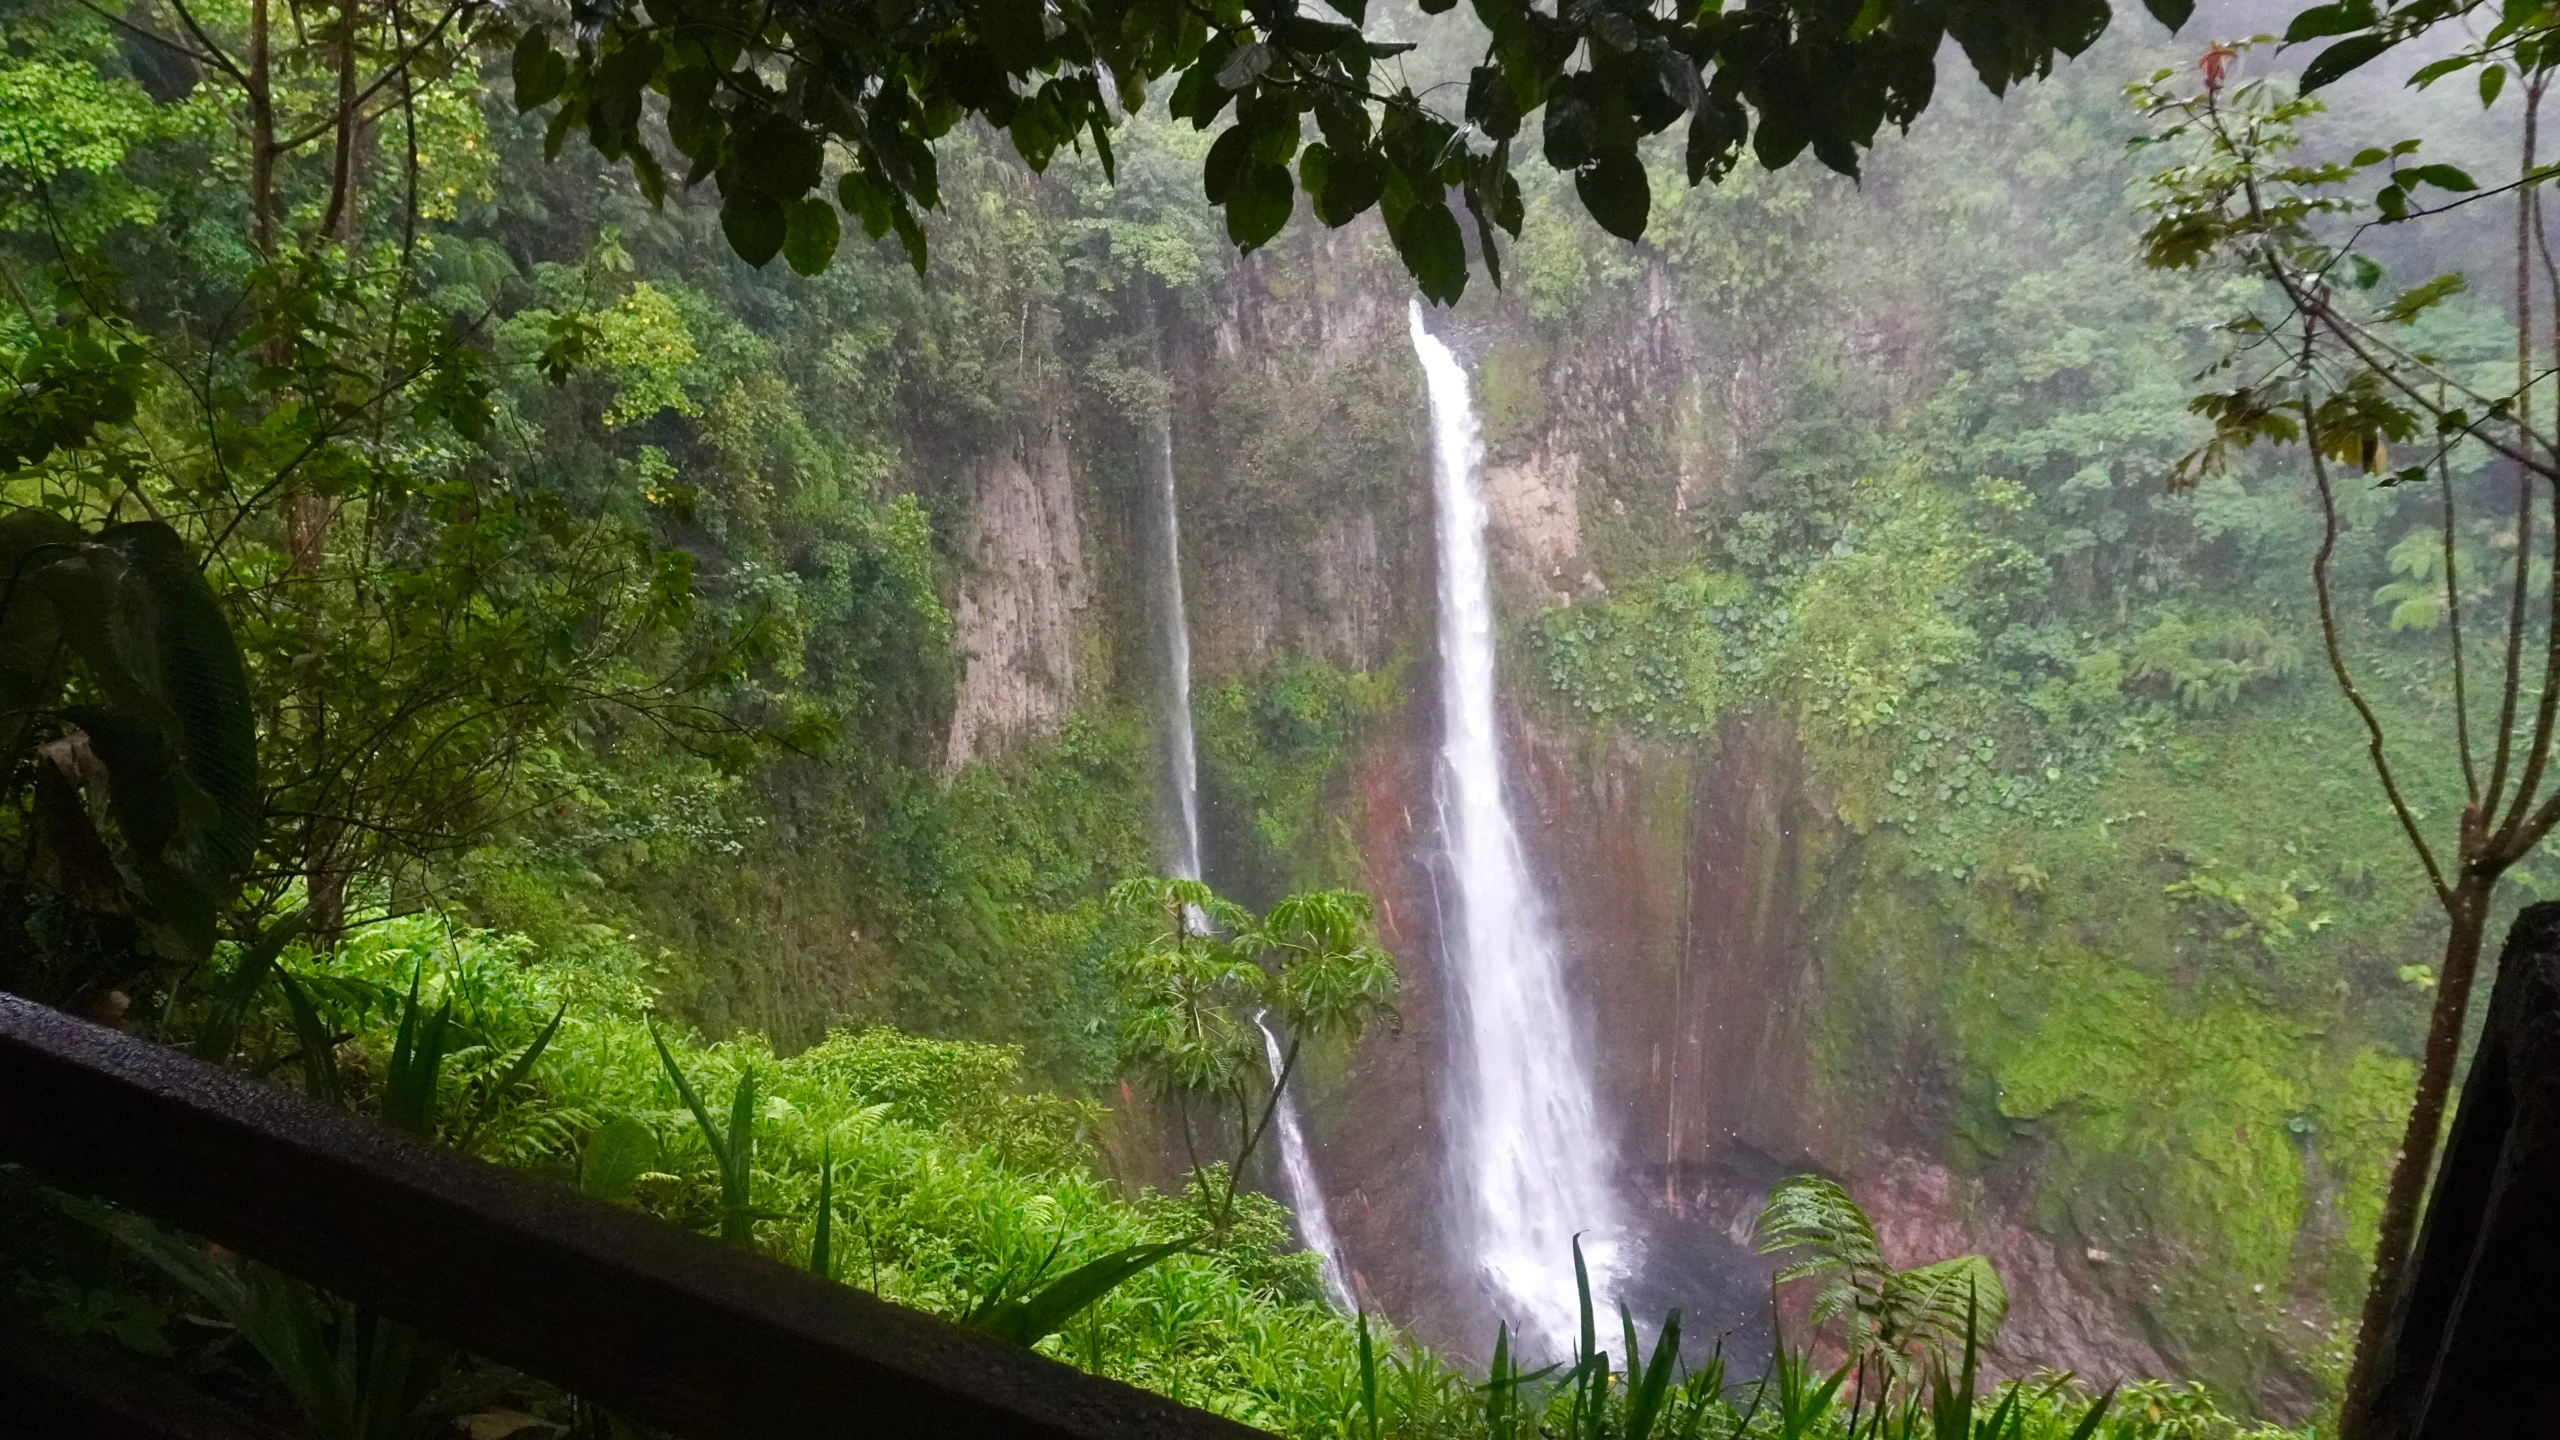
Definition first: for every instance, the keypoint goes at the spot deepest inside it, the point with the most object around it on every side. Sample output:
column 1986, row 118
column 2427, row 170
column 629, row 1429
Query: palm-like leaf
column 1941, row 1303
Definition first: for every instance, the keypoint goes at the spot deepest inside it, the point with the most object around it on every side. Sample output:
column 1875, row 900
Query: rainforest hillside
column 1935, row 782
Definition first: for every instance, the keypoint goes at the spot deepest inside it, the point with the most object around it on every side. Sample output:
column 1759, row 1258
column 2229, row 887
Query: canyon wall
column 1764, row 984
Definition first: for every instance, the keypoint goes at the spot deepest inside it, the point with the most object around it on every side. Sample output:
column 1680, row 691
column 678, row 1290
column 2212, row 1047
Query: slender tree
column 2327, row 362
column 1205, row 973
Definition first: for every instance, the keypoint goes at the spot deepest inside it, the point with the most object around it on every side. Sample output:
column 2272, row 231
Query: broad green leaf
column 2443, row 177
column 2418, row 299
column 809, row 239
column 1260, row 206
column 539, row 70
column 2172, row 13
column 1224, row 167
column 2322, row 21
column 1614, row 189
column 615, row 1157
column 186, row 654
column 1433, row 250
column 2342, row 59
column 30, row 626
column 754, row 223
column 2428, row 75
column 1351, row 182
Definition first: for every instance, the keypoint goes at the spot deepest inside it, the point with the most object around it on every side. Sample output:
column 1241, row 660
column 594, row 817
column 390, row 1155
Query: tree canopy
column 754, row 93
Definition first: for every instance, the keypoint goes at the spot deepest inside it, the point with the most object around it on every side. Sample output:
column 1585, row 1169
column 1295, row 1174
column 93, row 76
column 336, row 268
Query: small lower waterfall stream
column 1315, row 1227
column 1297, row 1165
column 1535, row 1162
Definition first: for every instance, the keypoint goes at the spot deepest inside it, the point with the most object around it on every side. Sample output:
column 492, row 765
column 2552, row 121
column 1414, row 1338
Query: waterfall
column 1298, row 1167
column 1535, row 1164
column 1182, row 750
column 1315, row 1227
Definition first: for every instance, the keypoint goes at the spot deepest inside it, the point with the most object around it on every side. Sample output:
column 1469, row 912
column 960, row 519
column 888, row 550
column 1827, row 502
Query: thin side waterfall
column 1534, row 1161
column 1298, row 1167
column 1306, row 1196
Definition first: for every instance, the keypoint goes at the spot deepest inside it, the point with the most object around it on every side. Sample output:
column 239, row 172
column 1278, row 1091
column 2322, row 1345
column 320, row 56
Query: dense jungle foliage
column 596, row 591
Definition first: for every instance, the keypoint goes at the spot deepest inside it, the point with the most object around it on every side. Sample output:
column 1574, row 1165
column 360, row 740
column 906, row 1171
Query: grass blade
column 737, row 1171
column 821, row 1251
column 319, row 1047
column 684, row 1090
column 1368, row 1378
column 1646, row 1396
column 2088, row 1426
column 516, row 1075
column 1030, row 1319
column 240, row 990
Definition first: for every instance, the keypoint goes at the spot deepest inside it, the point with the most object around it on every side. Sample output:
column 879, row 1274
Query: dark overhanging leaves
column 756, row 96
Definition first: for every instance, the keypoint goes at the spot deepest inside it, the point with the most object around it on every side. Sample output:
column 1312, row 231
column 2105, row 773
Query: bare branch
column 2453, row 621
column 391, row 73
column 2337, row 657
column 154, row 37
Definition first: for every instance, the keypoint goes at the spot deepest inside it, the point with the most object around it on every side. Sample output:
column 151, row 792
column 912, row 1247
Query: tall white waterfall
column 1182, row 750
column 1533, row 1156
column 1297, row 1166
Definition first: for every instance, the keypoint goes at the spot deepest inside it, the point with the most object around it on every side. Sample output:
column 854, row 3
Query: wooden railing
column 635, row 1314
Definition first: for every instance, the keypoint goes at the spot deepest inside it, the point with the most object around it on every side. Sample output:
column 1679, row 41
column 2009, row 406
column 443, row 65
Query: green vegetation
column 935, row 1180
column 478, row 648
column 2105, row 845
column 1277, row 751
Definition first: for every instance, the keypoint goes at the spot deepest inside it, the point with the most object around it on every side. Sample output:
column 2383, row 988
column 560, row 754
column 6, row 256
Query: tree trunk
column 2467, row 1352
column 262, row 136
column 2468, row 910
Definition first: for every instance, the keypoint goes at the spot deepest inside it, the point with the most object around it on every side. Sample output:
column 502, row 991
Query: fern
column 1891, row 1320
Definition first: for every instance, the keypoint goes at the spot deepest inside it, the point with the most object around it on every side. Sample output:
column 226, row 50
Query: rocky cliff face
column 1688, row 881
column 1695, row 884
column 1021, row 598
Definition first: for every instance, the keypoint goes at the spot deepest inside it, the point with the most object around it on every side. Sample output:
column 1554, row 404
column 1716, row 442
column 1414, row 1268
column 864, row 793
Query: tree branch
column 2329, row 637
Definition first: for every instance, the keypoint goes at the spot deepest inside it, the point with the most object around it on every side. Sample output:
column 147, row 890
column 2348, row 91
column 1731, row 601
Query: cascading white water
column 1298, row 1167
column 1182, row 750
column 1534, row 1158
column 1306, row 1196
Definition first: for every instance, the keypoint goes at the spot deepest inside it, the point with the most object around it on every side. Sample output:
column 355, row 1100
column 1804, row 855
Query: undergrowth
column 946, row 1179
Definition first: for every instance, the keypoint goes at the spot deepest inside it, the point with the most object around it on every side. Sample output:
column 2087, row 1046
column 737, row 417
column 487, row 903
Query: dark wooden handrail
column 638, row 1315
